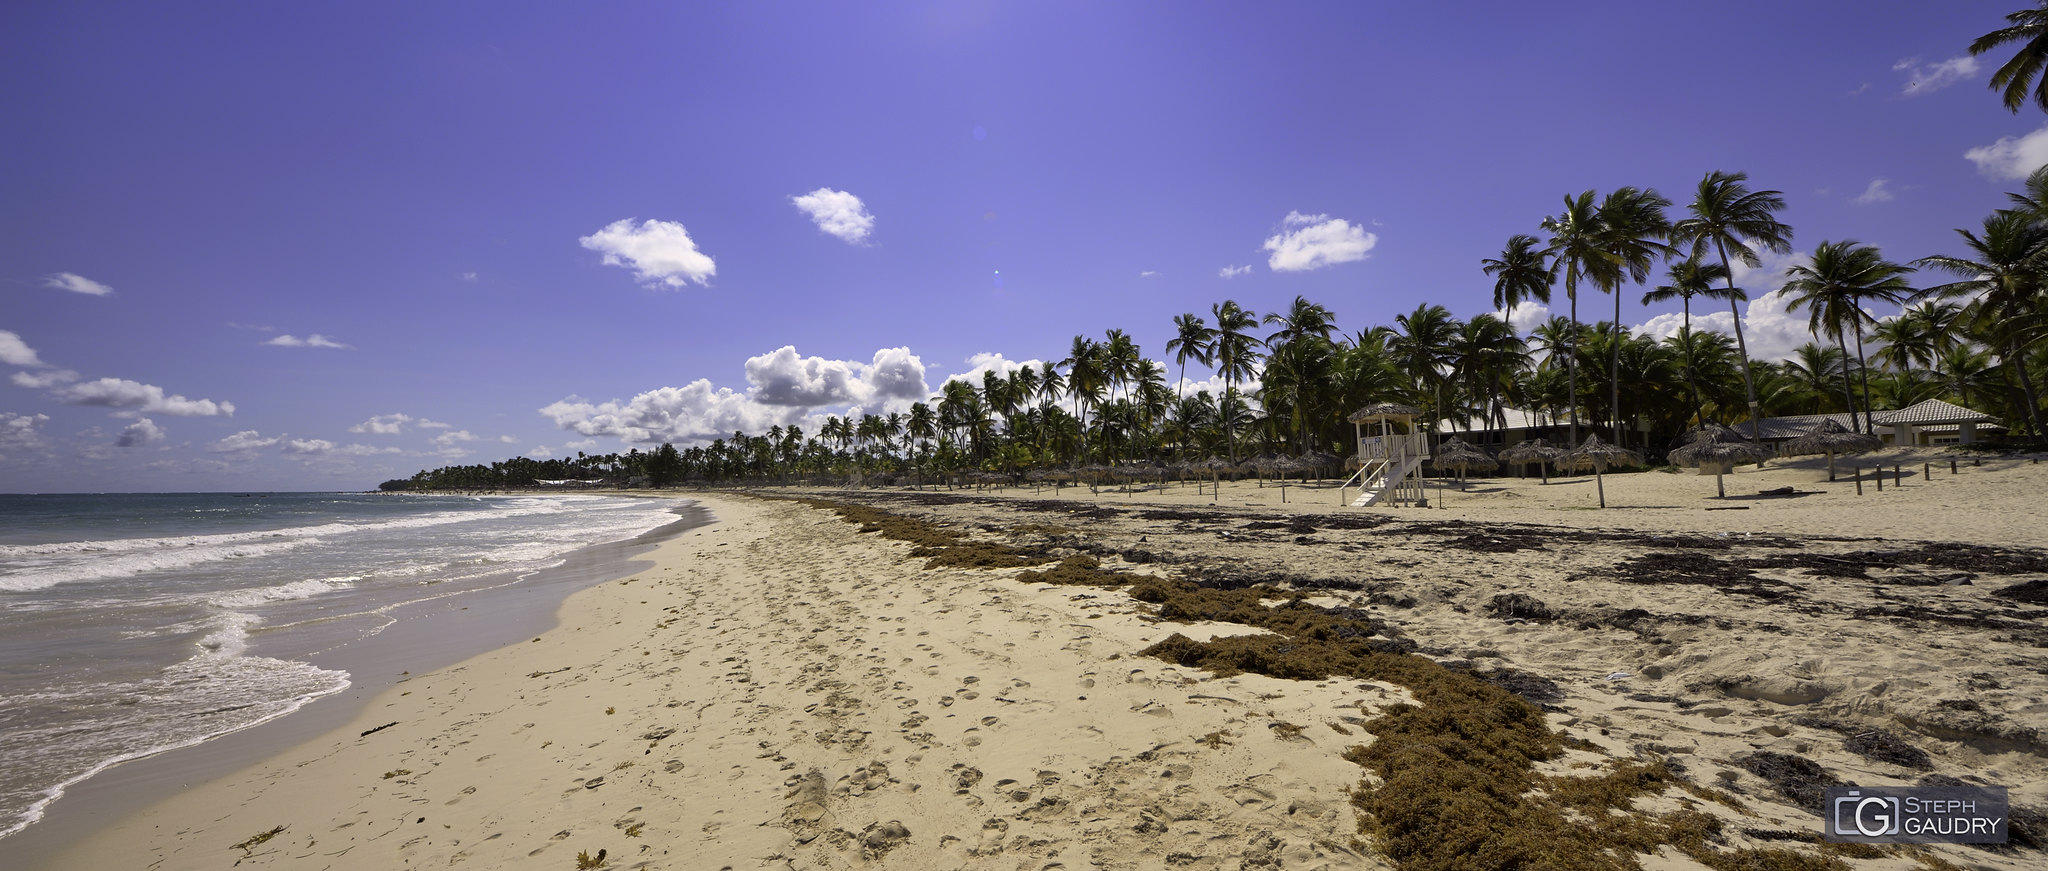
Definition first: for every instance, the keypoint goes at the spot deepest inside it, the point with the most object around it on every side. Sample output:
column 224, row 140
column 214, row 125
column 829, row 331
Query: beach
column 784, row 688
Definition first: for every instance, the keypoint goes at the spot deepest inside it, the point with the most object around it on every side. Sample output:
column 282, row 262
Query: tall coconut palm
column 2019, row 75
column 2007, row 269
column 1425, row 348
column 1121, row 360
column 1842, row 277
column 1236, row 358
column 1575, row 254
column 1087, row 375
column 1689, row 278
column 1302, row 320
column 1192, row 340
column 1521, row 273
column 1725, row 213
column 1632, row 232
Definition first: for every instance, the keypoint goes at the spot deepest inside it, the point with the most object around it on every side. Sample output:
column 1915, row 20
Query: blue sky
column 315, row 246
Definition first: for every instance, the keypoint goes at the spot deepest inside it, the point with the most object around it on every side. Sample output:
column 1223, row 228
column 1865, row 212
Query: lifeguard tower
column 1391, row 451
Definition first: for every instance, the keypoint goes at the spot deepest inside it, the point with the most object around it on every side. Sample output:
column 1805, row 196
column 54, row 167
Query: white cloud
column 659, row 252
column 20, row 431
column 1876, row 193
column 76, row 283
column 1315, row 241
column 451, row 439
column 128, row 395
column 15, row 352
column 510, row 440
column 40, row 380
column 313, row 341
column 985, row 362
column 434, row 424
column 540, row 452
column 782, row 378
column 1928, row 79
column 1233, row 271
column 325, row 448
column 243, row 442
column 837, row 212
column 694, row 412
column 383, row 424
column 2011, row 157
column 1148, row 273
column 469, row 276
column 142, row 432
column 1525, row 317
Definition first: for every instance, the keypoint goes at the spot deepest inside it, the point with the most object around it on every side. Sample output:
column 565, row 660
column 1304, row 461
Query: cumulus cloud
column 20, row 432
column 76, row 283
column 142, row 432
column 2011, row 156
column 1926, row 79
column 1233, row 271
column 1876, row 193
column 837, row 212
column 126, row 395
column 244, row 442
column 451, row 439
column 510, row 440
column 1314, row 241
column 782, row 378
column 985, row 362
column 41, row 380
column 540, row 452
column 1525, row 317
column 1148, row 273
column 434, row 424
column 325, row 448
column 660, row 253
column 313, row 341
column 695, row 412
column 581, row 445
column 383, row 424
column 15, row 352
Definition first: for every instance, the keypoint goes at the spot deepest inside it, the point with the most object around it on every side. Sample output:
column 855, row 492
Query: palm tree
column 2028, row 26
column 2008, row 269
column 1841, row 278
column 1726, row 213
column 1425, row 349
column 1235, row 358
column 1521, row 273
column 1302, row 320
column 1121, row 359
column 1689, row 278
column 1087, row 375
column 1192, row 340
column 1576, row 252
column 1489, row 355
column 1632, row 230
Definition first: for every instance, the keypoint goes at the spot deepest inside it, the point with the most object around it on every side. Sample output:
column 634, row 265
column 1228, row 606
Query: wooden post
column 1951, row 465
column 1880, row 478
column 1856, row 472
column 1898, row 477
column 1926, row 471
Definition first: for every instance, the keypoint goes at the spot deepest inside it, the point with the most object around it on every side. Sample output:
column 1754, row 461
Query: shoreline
column 425, row 635
column 778, row 688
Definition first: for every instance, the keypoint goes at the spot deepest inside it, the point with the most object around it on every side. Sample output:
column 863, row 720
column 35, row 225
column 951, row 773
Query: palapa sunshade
column 1379, row 410
column 1832, row 438
column 1320, row 460
column 1532, row 451
column 1599, row 455
column 1718, row 447
column 1454, row 453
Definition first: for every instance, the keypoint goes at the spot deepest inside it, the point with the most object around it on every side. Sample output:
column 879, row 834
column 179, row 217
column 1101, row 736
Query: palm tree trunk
column 1614, row 369
column 1863, row 374
column 1571, row 364
column 2017, row 356
column 1699, row 405
column 1756, row 425
column 1848, row 396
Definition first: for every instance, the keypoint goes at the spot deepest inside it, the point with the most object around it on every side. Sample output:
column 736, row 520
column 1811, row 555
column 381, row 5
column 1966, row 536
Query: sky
column 315, row 246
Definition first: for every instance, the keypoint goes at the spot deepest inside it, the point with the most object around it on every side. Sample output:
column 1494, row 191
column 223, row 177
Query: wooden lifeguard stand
column 1391, row 450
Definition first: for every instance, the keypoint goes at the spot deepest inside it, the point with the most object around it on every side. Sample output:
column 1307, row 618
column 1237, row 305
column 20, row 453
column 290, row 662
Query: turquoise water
column 131, row 624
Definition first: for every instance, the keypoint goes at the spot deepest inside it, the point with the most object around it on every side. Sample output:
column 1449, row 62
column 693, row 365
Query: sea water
column 132, row 624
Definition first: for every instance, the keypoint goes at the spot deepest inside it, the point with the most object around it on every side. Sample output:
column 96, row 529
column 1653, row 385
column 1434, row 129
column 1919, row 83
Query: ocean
column 132, row 624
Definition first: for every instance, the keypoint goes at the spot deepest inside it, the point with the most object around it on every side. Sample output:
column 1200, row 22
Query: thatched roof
column 1531, row 451
column 1833, row 438
column 1379, row 410
column 1598, row 454
column 1456, row 454
column 1715, row 444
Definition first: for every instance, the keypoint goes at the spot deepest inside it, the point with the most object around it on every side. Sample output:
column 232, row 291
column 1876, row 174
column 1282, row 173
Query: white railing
column 1393, row 447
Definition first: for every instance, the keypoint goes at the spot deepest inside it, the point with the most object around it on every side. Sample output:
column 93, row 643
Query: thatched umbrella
column 1718, row 447
column 1536, row 451
column 1832, row 438
column 1319, row 460
column 1454, row 453
column 1599, row 455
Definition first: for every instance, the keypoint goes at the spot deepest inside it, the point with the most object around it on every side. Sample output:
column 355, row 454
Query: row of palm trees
column 1973, row 340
